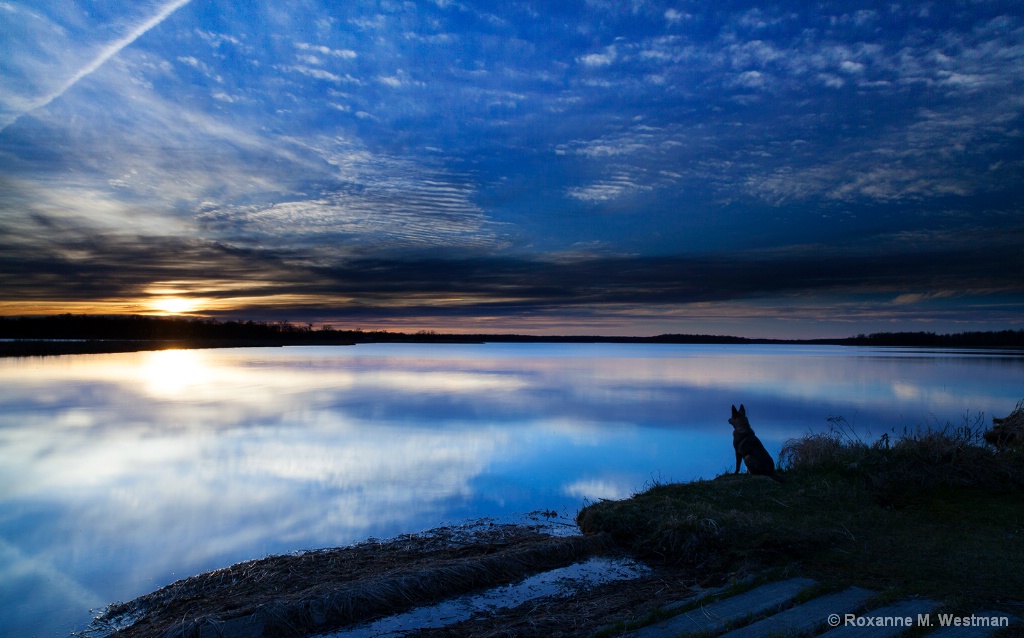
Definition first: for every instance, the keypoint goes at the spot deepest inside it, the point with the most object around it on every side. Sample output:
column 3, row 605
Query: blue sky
column 594, row 166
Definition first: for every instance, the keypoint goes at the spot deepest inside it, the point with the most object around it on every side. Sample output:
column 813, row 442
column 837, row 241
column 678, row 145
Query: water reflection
column 122, row 473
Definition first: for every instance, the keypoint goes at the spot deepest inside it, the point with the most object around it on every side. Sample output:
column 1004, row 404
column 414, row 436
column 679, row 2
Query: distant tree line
column 996, row 339
column 213, row 332
column 1000, row 339
column 129, row 327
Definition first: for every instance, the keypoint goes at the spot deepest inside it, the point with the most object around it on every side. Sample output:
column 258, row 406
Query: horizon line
column 306, row 327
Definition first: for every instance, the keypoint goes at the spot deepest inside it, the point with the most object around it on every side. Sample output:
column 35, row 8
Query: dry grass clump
column 915, row 462
column 1008, row 432
column 839, row 447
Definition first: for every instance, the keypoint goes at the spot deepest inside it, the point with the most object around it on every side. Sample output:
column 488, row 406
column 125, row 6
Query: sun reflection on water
column 175, row 373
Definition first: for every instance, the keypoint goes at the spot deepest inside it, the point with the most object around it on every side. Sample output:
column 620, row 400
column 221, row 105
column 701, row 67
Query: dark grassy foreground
column 936, row 513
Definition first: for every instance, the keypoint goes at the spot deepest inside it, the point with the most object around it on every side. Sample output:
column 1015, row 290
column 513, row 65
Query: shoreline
column 331, row 589
column 353, row 589
column 932, row 514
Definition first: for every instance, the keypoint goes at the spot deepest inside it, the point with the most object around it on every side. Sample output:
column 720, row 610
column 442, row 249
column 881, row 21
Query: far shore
column 55, row 347
column 89, row 334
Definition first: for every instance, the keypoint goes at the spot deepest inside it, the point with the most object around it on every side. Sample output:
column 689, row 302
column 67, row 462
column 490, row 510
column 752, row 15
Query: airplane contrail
column 108, row 52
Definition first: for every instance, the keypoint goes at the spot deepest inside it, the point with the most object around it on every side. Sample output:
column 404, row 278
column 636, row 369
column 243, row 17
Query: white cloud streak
column 108, row 52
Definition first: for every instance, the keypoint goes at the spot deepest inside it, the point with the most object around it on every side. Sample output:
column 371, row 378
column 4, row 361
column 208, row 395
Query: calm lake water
column 122, row 473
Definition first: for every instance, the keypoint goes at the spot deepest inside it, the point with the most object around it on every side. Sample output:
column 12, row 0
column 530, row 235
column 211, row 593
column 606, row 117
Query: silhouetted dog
column 749, row 448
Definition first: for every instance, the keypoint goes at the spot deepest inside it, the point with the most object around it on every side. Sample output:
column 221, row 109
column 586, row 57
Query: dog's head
column 739, row 418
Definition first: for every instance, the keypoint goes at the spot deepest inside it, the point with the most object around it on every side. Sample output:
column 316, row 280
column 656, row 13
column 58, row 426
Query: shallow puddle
column 562, row 582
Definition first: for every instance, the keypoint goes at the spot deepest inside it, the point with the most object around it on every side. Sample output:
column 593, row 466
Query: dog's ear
column 743, row 410
column 734, row 412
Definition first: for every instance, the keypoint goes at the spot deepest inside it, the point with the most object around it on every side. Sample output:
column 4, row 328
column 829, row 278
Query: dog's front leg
column 738, row 459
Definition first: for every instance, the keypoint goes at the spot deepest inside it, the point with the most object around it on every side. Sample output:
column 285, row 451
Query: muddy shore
column 328, row 590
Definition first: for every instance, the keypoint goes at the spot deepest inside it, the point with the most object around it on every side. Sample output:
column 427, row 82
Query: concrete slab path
column 816, row 616
column 884, row 622
column 807, row 616
column 713, row 617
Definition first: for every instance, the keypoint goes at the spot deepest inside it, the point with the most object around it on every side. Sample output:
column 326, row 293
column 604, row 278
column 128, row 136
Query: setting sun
column 174, row 305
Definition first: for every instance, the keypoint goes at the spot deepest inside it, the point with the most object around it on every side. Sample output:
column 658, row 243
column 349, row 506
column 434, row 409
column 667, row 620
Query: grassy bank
column 938, row 513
